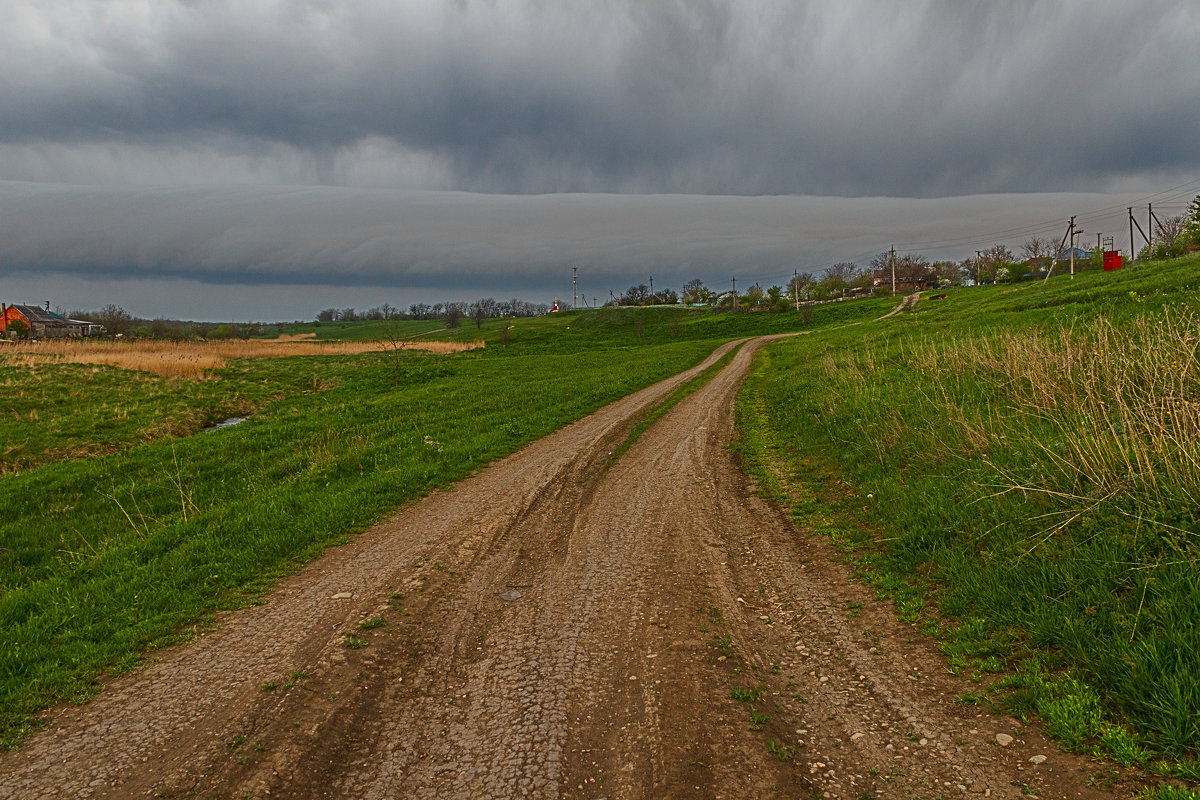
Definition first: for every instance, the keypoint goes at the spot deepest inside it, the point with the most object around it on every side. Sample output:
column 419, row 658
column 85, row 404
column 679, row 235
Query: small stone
column 1038, row 759
column 923, row 742
column 1003, row 739
column 854, row 737
column 510, row 595
column 342, row 596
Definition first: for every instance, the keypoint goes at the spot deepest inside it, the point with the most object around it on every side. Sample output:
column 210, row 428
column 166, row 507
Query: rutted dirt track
column 650, row 588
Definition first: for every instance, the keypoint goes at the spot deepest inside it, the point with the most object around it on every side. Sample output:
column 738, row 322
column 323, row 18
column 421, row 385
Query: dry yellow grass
column 196, row 359
column 1123, row 403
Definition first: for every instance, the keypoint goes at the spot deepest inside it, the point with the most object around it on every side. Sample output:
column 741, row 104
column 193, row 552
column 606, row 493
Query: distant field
column 1019, row 466
column 126, row 525
column 200, row 359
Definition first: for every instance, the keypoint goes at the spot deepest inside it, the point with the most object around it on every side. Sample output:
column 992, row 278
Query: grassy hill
column 1019, row 467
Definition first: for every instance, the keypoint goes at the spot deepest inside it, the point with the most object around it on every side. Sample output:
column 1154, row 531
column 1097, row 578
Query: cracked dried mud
column 560, row 625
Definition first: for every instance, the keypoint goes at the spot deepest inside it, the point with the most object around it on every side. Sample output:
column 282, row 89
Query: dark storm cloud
column 463, row 244
column 848, row 98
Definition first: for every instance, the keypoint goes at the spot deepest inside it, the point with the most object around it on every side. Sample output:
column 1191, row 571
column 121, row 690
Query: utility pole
column 796, row 287
column 892, row 258
column 1072, row 248
column 1131, row 248
column 1133, row 222
column 1157, row 222
column 1058, row 252
column 733, row 297
column 574, row 287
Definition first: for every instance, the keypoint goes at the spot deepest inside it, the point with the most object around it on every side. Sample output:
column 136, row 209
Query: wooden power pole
column 892, row 259
column 1072, row 248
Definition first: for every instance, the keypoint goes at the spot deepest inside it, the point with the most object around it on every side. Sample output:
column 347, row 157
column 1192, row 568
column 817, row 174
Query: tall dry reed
column 197, row 359
column 1110, row 411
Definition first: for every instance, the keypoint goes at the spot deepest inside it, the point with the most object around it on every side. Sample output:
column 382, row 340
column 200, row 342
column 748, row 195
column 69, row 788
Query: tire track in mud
column 650, row 589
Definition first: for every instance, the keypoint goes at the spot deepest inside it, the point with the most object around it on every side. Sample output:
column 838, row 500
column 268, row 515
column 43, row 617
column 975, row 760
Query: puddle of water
column 229, row 423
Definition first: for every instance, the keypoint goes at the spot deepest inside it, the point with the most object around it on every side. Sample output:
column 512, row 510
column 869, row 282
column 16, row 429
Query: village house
column 42, row 323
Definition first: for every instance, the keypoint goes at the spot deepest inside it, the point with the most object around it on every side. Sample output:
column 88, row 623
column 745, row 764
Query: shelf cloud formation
column 205, row 112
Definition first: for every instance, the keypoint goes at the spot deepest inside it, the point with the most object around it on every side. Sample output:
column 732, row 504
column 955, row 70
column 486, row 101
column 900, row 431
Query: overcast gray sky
column 265, row 159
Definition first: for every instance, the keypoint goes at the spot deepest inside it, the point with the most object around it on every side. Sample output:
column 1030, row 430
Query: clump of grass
column 746, row 695
column 1112, row 412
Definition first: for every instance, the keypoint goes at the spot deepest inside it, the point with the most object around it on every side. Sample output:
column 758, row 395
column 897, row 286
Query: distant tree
column 842, row 273
column 800, row 285
column 420, row 311
column 695, row 292
column 776, row 299
column 478, row 313
column 1172, row 229
column 755, row 296
column 638, row 295
column 1192, row 224
column 914, row 270
column 667, row 297
column 327, row 315
column 911, row 269
column 347, row 315
column 1040, row 251
column 452, row 316
column 991, row 260
column 19, row 328
column 115, row 319
column 949, row 273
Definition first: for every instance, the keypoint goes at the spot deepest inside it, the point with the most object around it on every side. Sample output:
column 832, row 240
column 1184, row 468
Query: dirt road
column 559, row 625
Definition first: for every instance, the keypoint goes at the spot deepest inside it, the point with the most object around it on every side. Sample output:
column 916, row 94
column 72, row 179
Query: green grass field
column 125, row 524
column 1019, row 467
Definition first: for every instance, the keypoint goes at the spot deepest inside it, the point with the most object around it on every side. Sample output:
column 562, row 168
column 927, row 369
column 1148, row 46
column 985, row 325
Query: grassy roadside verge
column 1019, row 468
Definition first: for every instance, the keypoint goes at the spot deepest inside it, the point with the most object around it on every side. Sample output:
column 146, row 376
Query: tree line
column 119, row 322
column 452, row 313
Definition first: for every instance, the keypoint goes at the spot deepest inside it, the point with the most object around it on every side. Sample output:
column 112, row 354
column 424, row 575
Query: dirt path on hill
column 558, row 626
column 908, row 303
